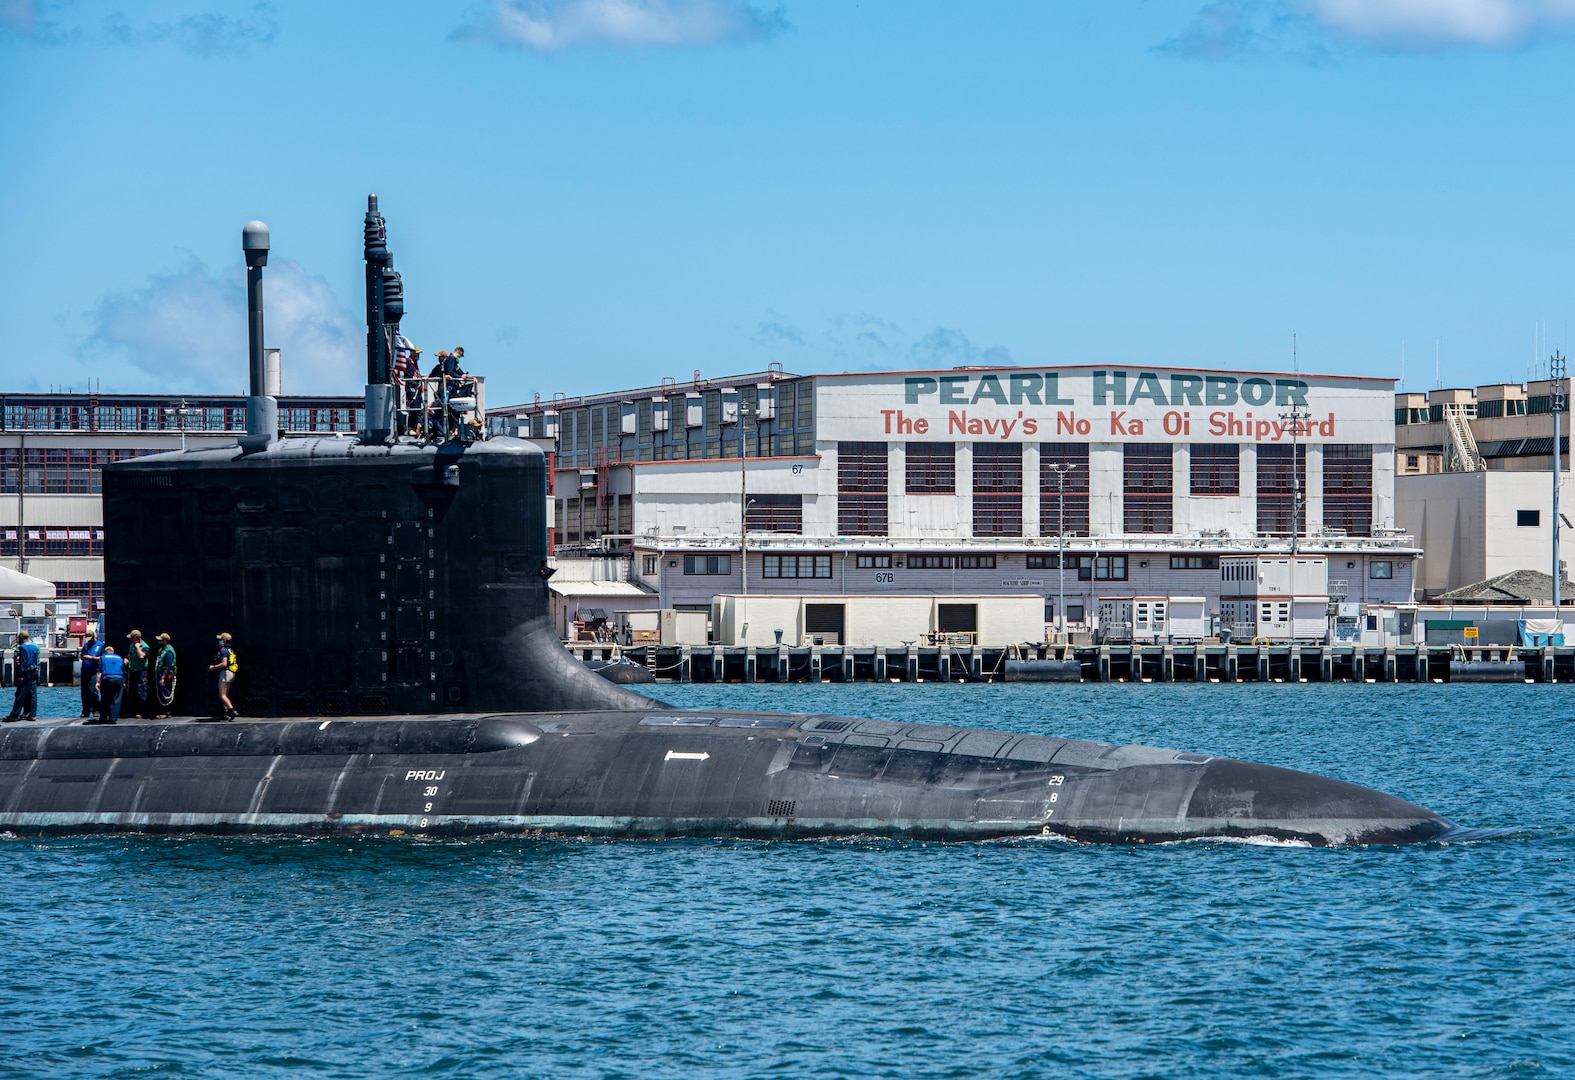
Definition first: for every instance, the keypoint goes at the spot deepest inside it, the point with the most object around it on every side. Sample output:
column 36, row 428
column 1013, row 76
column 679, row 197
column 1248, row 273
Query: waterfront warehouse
column 1158, row 484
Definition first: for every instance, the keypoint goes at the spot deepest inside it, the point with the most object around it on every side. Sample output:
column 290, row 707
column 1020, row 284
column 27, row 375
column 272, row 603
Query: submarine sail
column 400, row 674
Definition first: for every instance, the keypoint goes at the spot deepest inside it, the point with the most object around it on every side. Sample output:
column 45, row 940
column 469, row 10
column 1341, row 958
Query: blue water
column 370, row 957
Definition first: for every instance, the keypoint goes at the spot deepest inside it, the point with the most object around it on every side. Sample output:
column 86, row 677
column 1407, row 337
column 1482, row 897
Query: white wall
column 874, row 620
column 1465, row 523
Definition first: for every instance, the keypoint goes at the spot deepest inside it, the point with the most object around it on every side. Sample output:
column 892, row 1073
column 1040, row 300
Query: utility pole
column 1061, row 469
column 1558, row 401
column 1295, row 420
column 745, row 413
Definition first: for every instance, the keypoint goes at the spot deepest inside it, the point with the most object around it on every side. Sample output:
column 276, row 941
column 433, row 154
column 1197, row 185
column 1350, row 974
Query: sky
column 596, row 194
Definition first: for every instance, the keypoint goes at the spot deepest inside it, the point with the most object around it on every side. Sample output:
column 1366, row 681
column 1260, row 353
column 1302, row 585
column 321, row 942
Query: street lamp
column 183, row 411
column 1061, row 470
column 1295, row 419
column 746, row 412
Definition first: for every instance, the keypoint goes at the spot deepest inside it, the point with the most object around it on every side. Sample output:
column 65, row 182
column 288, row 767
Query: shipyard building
column 53, row 448
column 1265, row 500
column 1475, row 481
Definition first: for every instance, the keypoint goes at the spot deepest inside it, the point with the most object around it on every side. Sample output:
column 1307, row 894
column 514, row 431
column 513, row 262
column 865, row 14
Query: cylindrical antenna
column 262, row 411
column 379, row 376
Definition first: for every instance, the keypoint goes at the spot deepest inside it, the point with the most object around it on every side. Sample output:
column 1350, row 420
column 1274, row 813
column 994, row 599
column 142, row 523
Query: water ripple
column 362, row 957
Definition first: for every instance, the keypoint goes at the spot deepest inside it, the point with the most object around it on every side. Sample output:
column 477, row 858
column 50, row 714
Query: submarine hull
column 663, row 774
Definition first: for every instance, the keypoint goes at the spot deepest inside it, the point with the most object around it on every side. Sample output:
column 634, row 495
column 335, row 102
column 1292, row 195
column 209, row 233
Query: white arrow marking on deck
column 680, row 755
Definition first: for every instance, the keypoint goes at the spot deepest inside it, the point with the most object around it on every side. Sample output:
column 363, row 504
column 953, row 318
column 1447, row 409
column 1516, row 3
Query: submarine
column 399, row 675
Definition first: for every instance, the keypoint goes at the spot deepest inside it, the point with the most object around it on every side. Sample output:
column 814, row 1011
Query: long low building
column 971, row 482
column 53, row 448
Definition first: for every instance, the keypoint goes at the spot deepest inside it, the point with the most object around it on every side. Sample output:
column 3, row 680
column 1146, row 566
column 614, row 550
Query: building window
column 997, row 489
column 1216, row 469
column 52, row 543
column 1194, row 562
column 1147, row 475
column 1348, row 488
column 1413, row 461
column 648, row 565
column 1044, row 562
column 861, row 488
column 775, row 513
column 931, row 469
column 1528, row 519
column 708, row 564
column 1383, row 569
column 1074, row 611
column 1101, row 568
column 874, row 562
column 796, row 566
column 932, row 562
column 1068, row 484
column 1276, row 489
column 976, row 562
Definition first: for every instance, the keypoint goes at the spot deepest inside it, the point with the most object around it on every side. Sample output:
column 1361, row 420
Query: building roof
column 597, row 588
column 1515, row 587
column 15, row 585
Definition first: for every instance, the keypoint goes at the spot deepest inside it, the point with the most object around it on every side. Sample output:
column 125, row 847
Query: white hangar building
column 970, row 481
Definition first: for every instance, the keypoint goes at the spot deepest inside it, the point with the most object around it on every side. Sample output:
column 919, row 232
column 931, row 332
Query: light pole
column 183, row 411
column 1295, row 419
column 745, row 413
column 1557, row 402
column 1060, row 469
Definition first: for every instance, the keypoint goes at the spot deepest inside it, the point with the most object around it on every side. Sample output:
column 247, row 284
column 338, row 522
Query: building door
column 957, row 618
column 824, row 623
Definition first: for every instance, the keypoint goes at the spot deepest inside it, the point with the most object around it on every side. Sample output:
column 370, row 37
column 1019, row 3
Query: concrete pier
column 1187, row 662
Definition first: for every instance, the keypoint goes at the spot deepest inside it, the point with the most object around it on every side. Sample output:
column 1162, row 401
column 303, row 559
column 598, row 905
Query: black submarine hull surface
column 399, row 674
column 662, row 773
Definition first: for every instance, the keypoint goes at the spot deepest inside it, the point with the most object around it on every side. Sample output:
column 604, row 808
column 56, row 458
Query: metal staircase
column 1461, row 454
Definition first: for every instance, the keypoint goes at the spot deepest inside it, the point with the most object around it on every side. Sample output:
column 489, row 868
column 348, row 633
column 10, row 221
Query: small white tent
column 15, row 585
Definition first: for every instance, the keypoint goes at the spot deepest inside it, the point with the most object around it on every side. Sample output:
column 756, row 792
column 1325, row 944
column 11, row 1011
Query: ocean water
column 126, row 957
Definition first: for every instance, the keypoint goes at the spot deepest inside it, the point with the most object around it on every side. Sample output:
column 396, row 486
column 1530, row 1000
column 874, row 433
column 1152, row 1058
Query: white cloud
column 1431, row 23
column 546, row 26
column 862, row 340
column 187, row 330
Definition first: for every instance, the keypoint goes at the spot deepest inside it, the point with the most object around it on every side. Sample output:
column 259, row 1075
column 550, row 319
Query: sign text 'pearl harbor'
column 1116, row 405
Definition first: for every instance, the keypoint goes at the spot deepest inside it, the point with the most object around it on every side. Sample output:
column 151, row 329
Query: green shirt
column 137, row 656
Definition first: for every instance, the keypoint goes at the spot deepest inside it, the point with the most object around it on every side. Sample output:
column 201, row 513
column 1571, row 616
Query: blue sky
column 590, row 194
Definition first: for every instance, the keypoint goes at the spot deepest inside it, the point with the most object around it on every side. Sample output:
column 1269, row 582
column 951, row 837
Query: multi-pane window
column 45, row 543
column 1348, row 488
column 951, row 562
column 59, row 472
column 1277, row 489
column 997, row 489
column 874, row 562
column 90, row 593
column 796, row 566
column 1044, row 562
column 708, row 564
column 775, row 513
column 861, row 488
column 932, row 469
column 1101, row 568
column 1194, row 562
column 1147, row 476
column 1063, row 480
column 1216, row 469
